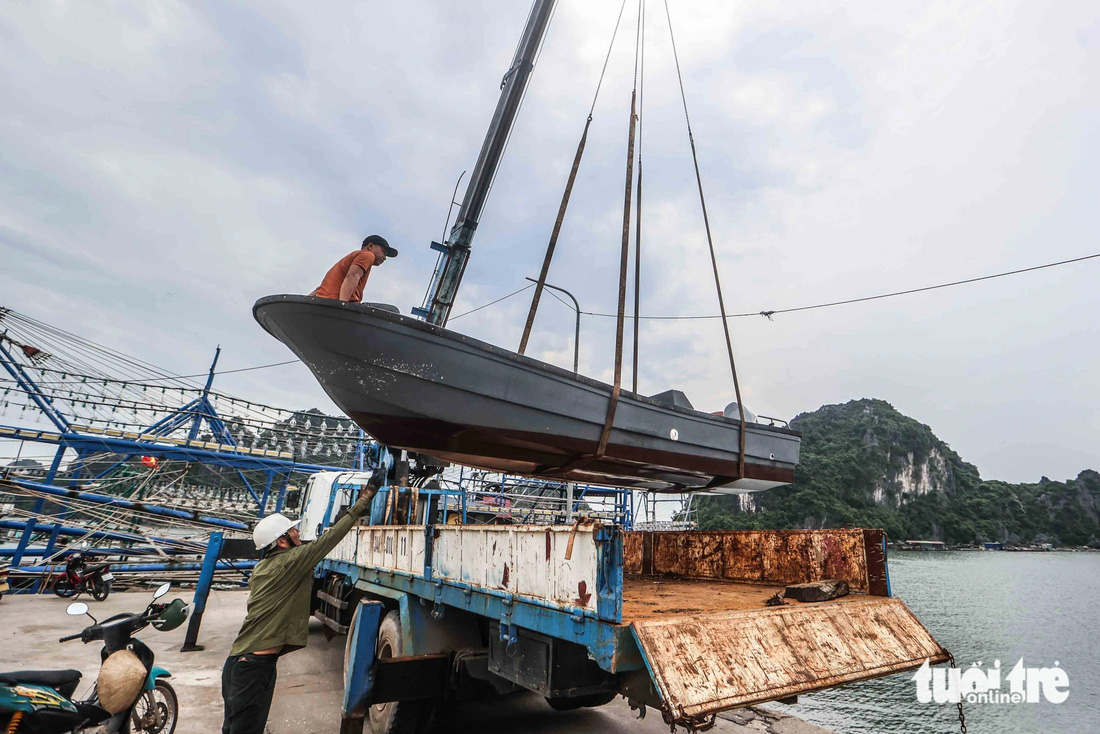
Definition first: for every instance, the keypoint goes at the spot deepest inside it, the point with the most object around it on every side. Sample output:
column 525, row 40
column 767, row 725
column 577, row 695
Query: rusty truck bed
column 648, row 598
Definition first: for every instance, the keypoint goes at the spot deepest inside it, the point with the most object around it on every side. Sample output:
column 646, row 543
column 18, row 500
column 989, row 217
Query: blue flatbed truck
column 437, row 611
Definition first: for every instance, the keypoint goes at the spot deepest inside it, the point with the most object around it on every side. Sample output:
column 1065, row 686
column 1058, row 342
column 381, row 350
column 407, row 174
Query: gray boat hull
column 419, row 387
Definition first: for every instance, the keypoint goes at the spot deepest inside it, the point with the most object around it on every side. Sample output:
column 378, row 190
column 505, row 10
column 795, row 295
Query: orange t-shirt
column 334, row 278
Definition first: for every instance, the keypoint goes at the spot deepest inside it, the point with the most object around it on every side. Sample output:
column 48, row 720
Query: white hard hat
column 271, row 528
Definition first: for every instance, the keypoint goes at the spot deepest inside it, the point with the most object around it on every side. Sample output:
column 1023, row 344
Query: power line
column 293, row 361
column 140, row 381
column 223, row 372
column 765, row 313
column 491, row 303
column 770, row 313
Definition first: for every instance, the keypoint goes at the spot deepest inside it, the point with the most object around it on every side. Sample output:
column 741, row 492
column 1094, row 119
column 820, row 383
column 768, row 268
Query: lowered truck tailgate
column 712, row 662
column 695, row 605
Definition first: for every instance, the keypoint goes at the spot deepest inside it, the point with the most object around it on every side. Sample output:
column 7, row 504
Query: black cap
column 377, row 239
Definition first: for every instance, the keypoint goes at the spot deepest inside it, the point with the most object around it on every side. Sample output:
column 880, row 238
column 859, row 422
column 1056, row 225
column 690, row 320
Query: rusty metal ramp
column 707, row 663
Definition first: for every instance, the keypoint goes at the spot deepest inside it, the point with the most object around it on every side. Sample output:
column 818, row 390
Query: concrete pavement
column 309, row 691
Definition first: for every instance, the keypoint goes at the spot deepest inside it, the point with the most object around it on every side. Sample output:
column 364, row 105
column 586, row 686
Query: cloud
column 165, row 165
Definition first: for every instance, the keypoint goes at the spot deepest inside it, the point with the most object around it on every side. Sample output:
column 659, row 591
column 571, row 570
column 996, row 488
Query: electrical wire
column 86, row 383
column 493, row 303
column 830, row 304
column 766, row 313
column 229, row 372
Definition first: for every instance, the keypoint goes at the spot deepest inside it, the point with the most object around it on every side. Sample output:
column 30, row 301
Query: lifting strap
column 638, row 216
column 624, row 254
column 541, row 283
column 554, row 239
column 713, row 259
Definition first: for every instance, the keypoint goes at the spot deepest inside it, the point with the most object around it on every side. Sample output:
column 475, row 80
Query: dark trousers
column 248, row 682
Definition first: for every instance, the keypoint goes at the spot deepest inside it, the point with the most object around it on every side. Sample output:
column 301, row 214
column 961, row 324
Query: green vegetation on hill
column 866, row 464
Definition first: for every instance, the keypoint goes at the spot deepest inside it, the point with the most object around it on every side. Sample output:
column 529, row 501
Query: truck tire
column 397, row 717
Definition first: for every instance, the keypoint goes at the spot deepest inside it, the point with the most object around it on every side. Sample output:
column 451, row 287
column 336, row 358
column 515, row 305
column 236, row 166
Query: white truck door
column 315, row 503
column 319, row 495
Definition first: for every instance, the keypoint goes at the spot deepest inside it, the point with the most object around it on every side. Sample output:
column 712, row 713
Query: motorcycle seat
column 51, row 678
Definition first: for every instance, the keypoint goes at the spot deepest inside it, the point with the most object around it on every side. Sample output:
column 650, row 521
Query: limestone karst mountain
column 863, row 462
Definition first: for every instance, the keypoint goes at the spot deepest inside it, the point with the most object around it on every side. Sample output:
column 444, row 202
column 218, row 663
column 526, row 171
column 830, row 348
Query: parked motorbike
column 79, row 578
column 130, row 694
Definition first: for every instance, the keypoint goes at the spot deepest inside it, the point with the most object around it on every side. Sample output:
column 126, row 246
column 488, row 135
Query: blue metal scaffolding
column 175, row 437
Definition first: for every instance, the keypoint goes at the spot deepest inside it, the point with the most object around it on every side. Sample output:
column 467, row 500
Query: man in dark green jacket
column 277, row 620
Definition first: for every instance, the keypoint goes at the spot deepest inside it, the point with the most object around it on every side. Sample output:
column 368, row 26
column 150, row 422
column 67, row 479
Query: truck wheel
column 397, row 717
column 590, row 701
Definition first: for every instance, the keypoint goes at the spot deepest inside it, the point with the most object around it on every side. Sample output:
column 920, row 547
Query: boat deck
column 646, row 597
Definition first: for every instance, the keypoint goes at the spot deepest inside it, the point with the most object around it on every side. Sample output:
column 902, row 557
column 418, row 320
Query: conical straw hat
column 121, row 679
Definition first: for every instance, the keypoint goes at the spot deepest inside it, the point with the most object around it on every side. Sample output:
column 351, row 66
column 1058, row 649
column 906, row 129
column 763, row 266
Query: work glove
column 362, row 505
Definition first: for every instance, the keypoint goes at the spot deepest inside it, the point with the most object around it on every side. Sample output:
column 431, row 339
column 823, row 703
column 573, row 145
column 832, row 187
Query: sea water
column 985, row 606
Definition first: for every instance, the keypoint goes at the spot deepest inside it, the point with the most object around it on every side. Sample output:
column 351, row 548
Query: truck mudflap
column 700, row 665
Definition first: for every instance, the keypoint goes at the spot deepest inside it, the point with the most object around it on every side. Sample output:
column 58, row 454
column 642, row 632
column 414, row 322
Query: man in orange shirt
column 345, row 279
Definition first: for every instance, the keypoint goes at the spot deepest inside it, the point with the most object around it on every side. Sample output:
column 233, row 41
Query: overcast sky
column 163, row 165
